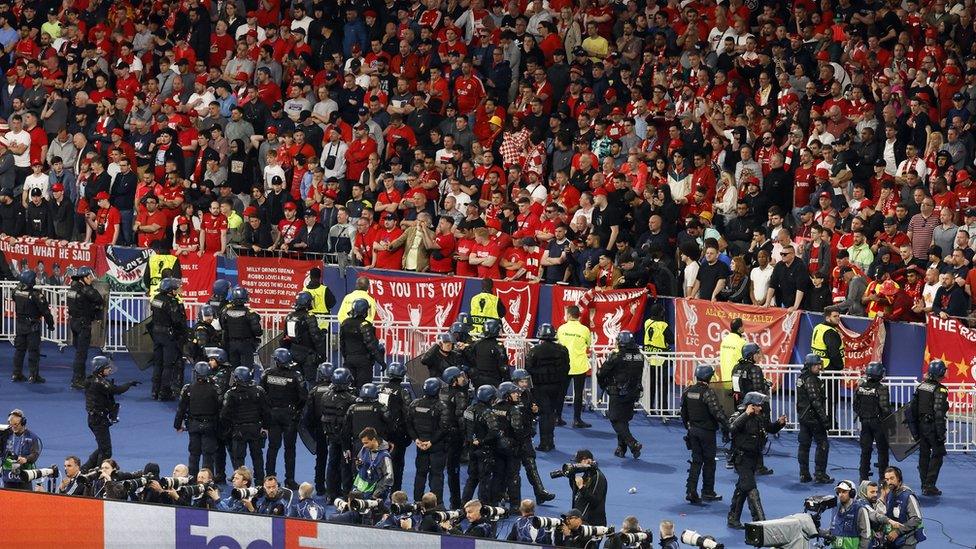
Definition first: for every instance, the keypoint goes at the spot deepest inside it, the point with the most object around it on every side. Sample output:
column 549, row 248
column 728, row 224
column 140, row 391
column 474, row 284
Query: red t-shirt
column 364, row 243
column 446, row 242
column 482, row 251
column 109, row 218
column 468, row 93
column 156, row 218
column 211, row 227
column 167, row 192
column 289, row 229
column 464, row 247
column 389, row 259
column 191, row 239
column 805, row 183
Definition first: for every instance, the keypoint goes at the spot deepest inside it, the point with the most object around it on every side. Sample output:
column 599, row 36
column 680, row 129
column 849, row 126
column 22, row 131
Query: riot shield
column 100, row 325
column 264, row 352
column 139, row 344
column 308, row 439
column 417, row 374
column 900, row 439
column 723, row 390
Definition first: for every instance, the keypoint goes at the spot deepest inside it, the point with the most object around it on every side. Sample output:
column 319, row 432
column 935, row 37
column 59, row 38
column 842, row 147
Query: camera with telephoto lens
column 441, row 516
column 92, row 475
column 246, row 493
column 546, row 523
column 634, row 537
column 195, row 490
column 340, row 505
column 136, row 483
column 493, row 513
column 173, row 483
column 34, row 474
column 361, row 505
column 403, row 508
column 571, row 469
column 589, row 531
column 693, row 538
column 819, row 504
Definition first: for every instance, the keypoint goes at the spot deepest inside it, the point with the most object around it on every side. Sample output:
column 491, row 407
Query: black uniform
column 620, row 376
column 245, row 412
column 396, row 400
column 523, row 440
column 591, row 499
column 748, row 441
column 103, row 411
column 360, row 349
column 437, row 361
column 305, row 340
column 204, row 335
column 168, row 330
column 218, row 303
column 811, row 412
column 429, row 420
column 703, row 416
column 489, row 362
column 85, row 305
column 481, row 436
column 872, row 405
column 367, row 413
column 455, row 401
column 510, row 422
column 241, row 328
column 221, row 380
column 31, row 307
column 548, row 363
column 748, row 377
column 197, row 412
column 286, row 393
column 930, row 404
column 327, row 413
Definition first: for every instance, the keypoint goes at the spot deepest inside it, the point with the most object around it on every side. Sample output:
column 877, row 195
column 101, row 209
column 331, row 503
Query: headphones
column 17, row 412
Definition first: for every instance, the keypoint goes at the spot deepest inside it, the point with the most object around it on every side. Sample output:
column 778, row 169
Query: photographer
column 19, row 449
column 478, row 525
column 109, row 484
column 191, row 496
column 155, row 492
column 523, row 530
column 307, row 508
column 395, row 521
column 589, row 490
column 667, row 540
column 428, row 516
column 630, row 525
column 374, row 474
column 346, row 513
column 73, row 483
column 273, row 500
column 850, row 526
column 571, row 534
column 242, row 479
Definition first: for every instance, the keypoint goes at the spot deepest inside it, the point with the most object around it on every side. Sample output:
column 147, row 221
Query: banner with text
column 199, row 273
column 412, row 302
column 608, row 312
column 860, row 349
column 54, row 261
column 954, row 343
column 124, row 268
column 562, row 297
column 700, row 326
column 273, row 283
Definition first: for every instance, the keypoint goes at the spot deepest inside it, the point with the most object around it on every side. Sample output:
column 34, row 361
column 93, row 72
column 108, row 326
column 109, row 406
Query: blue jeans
column 128, row 236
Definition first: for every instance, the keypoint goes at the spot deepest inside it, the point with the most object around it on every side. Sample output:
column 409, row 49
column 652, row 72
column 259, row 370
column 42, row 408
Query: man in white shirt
column 932, row 285
column 201, row 97
column 690, row 254
column 333, row 159
column 272, row 170
column 36, row 180
column 911, row 163
column 759, row 278
column 19, row 142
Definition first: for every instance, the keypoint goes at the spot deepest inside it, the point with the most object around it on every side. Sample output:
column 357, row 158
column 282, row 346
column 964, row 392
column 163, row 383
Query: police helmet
column 396, row 370
column 360, row 308
column 432, row 386
column 281, row 357
column 238, row 295
column 750, row 350
column 206, row 311
column 201, row 369
column 216, row 353
column 28, row 278
column 100, row 363
column 485, row 394
column 492, row 327
column 520, row 374
column 937, row 369
column 704, row 372
column 546, row 332
column 82, row 272
column 625, row 340
column 459, row 328
column 754, row 397
column 169, row 285
column 220, row 288
column 874, row 370
column 369, row 391
column 505, row 389
column 341, row 378
column 325, row 372
column 303, row 300
column 465, row 319
column 242, row 374
column 450, row 374
column 445, row 338
column 812, row 360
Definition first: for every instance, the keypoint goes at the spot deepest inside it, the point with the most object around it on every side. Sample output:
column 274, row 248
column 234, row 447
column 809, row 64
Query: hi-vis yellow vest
column 730, row 353
column 157, row 264
column 654, row 341
column 817, row 344
column 346, row 306
column 484, row 306
column 318, row 300
column 576, row 338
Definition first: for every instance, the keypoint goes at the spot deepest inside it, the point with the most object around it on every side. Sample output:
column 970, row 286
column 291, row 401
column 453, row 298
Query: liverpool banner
column 199, row 273
column 124, row 267
column 272, row 282
column 54, row 261
column 954, row 343
column 860, row 349
column 562, row 297
column 521, row 299
column 404, row 303
column 606, row 312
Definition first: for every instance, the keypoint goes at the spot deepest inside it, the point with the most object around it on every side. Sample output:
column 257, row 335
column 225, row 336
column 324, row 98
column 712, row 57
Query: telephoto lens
column 693, row 538
column 360, row 505
column 546, row 523
column 90, row 476
column 173, row 483
column 590, row 531
column 194, row 490
column 441, row 516
column 245, row 493
column 493, row 513
column 635, row 537
column 403, row 508
column 34, row 474
column 136, row 483
column 341, row 505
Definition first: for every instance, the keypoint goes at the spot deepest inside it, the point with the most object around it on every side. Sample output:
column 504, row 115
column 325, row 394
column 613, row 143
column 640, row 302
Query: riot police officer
column 872, row 405
column 811, row 413
column 218, row 297
column 367, row 411
column 749, row 428
column 461, row 330
column 620, row 376
column 102, row 409
column 245, row 412
column 927, row 418
column 241, row 328
column 510, row 421
column 487, row 357
column 523, row 438
column 548, row 364
column 358, row 344
column 221, row 374
column 31, row 307
column 311, row 419
column 304, row 337
column 428, row 424
column 396, row 399
column 333, row 475
column 481, row 434
column 85, row 305
column 441, row 356
column 197, row 413
column 454, row 395
column 168, row 331
column 747, row 377
column 702, row 416
column 204, row 335
column 286, row 392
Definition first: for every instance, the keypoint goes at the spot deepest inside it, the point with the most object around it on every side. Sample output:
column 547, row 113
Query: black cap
column 583, row 454
column 880, row 163
column 890, row 220
column 971, row 212
column 277, row 180
column 959, row 96
column 36, row 192
column 573, row 513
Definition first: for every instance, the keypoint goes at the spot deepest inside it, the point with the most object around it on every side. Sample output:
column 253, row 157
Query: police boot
column 762, row 470
column 692, row 497
column 755, row 506
column 541, row 495
column 710, row 496
column 635, row 447
column 36, row 378
column 735, row 510
column 822, row 478
column 621, row 450
column 78, row 383
column 18, row 377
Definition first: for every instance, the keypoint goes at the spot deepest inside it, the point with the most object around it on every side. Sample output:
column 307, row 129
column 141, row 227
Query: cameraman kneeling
column 240, row 481
column 397, row 521
column 154, row 491
column 428, row 516
column 571, row 534
column 524, row 529
column 273, row 500
column 478, row 525
column 589, row 490
column 631, row 526
column 307, row 508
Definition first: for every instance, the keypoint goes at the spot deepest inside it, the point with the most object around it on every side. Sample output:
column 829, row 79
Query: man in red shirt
column 463, row 248
column 442, row 259
column 103, row 224
column 383, row 256
column 359, row 151
column 268, row 91
column 965, row 191
column 398, row 130
column 469, row 92
column 213, row 227
column 150, row 222
column 890, row 238
column 288, row 227
column 528, row 221
column 485, row 255
column 170, row 197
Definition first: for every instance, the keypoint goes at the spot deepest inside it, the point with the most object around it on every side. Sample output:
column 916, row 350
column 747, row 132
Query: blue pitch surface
column 145, row 433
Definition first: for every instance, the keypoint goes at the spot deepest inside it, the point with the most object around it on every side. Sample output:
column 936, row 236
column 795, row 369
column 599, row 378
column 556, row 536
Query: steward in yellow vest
column 162, row 264
column 485, row 306
column 826, row 341
column 658, row 337
column 361, row 292
column 730, row 351
column 322, row 298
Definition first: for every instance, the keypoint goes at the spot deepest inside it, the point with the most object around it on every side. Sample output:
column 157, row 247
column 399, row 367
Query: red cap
column 494, row 223
column 865, row 204
column 201, row 79
column 171, row 102
column 242, row 76
column 331, row 193
column 822, row 55
column 617, row 110
column 610, row 94
column 600, row 192
column 252, row 32
column 290, row 206
column 101, row 196
column 57, row 188
column 271, row 129
column 192, row 113
column 369, row 13
column 182, row 220
column 952, row 69
column 824, row 195
column 676, row 144
column 118, row 131
column 587, row 90
column 931, row 33
column 250, row 211
column 11, row 72
column 822, row 173
column 962, row 175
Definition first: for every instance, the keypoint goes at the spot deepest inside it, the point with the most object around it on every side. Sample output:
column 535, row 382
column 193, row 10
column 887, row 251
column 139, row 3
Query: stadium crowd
column 793, row 154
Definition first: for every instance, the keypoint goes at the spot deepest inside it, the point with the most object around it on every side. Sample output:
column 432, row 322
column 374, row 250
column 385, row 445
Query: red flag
column 413, row 302
column 521, row 299
column 609, row 312
column 198, row 273
column 860, row 349
column 954, row 343
column 273, row 283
